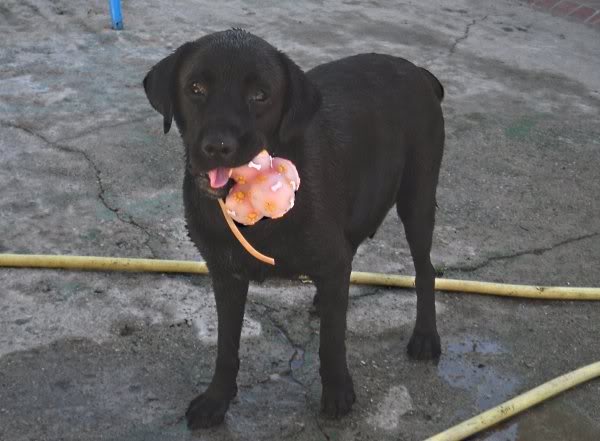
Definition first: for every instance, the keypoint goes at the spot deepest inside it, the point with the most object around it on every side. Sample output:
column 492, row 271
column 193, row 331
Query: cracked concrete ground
column 85, row 169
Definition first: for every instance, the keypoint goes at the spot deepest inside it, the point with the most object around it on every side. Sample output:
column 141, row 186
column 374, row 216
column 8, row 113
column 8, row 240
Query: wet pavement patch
column 468, row 364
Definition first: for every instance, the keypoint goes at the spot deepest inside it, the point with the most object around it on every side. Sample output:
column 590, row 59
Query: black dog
column 365, row 133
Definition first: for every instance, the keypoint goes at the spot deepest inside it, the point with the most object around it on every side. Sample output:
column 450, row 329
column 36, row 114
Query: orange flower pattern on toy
column 265, row 187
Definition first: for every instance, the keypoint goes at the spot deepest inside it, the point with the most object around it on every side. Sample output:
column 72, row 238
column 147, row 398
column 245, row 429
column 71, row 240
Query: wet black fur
column 365, row 132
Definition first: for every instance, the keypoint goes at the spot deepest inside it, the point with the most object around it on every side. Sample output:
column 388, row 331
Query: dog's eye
column 259, row 96
column 198, row 89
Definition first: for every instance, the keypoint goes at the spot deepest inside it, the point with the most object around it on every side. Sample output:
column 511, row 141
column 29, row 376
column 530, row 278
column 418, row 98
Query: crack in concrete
column 466, row 33
column 98, row 128
column 97, row 172
column 298, row 349
column 269, row 309
column 295, row 346
column 321, row 428
column 536, row 251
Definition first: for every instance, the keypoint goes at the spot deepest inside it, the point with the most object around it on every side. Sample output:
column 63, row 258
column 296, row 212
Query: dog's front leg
column 208, row 409
column 338, row 391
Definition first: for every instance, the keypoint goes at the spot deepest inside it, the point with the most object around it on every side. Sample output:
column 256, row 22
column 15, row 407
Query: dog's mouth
column 218, row 177
column 217, row 182
column 216, row 186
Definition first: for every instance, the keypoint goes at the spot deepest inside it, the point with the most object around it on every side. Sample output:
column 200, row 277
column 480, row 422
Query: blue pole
column 115, row 14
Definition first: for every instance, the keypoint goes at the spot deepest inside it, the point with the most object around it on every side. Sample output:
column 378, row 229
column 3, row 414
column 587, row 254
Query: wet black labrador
column 365, row 132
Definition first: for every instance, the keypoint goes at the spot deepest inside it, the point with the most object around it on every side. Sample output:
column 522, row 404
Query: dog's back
column 379, row 116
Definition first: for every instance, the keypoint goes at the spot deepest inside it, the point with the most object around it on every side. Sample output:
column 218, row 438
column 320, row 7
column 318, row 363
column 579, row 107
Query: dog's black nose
column 219, row 146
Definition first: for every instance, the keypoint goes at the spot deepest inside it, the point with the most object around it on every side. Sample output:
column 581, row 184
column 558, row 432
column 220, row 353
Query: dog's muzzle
column 203, row 183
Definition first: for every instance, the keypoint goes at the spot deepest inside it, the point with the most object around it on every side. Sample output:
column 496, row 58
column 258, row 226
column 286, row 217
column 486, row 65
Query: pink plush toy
column 265, row 187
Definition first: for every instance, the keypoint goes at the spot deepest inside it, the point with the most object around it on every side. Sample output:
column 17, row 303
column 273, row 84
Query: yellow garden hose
column 93, row 263
column 518, row 404
column 474, row 287
column 359, row 278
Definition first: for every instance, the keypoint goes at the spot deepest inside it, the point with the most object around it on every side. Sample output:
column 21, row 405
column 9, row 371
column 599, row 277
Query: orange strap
column 238, row 234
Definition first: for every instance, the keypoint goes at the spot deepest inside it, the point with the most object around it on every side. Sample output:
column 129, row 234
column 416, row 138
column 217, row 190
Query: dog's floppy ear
column 302, row 101
column 158, row 85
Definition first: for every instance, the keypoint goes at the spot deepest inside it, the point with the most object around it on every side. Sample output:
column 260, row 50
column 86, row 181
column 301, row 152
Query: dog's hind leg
column 416, row 208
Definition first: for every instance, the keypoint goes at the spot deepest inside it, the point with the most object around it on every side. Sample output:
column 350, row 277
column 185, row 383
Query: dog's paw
column 337, row 400
column 424, row 346
column 205, row 412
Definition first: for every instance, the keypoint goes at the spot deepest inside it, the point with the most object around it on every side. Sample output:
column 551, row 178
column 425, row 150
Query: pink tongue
column 218, row 177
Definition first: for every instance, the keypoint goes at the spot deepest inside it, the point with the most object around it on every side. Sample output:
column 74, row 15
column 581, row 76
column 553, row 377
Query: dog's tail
column 438, row 89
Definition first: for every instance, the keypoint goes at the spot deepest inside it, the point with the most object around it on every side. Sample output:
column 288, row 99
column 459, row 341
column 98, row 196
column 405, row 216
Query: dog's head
column 232, row 94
